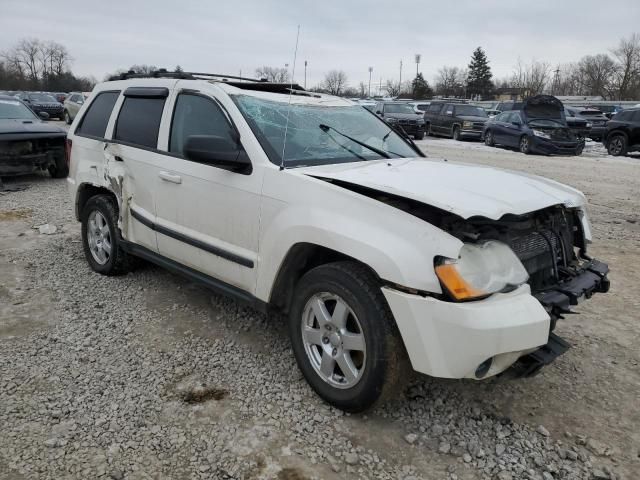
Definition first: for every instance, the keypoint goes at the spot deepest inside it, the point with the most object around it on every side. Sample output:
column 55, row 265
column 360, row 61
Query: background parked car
column 622, row 134
column 42, row 102
column 455, row 120
column 420, row 106
column 597, row 119
column 608, row 110
column 578, row 124
column 403, row 115
column 539, row 127
column 59, row 96
column 72, row 106
column 27, row 144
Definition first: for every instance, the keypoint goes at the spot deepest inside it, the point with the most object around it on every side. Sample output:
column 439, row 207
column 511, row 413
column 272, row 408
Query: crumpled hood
column 28, row 126
column 463, row 189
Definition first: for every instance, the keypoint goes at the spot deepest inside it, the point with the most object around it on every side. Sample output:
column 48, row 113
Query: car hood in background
column 543, row 106
column 463, row 189
column 27, row 126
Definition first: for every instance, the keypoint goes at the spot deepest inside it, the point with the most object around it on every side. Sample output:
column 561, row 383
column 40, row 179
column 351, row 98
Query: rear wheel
column 525, row 144
column 101, row 239
column 456, row 133
column 428, row 131
column 617, row 145
column 488, row 139
column 419, row 135
column 343, row 336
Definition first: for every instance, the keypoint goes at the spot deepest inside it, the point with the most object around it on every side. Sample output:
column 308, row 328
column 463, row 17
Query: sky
column 350, row 35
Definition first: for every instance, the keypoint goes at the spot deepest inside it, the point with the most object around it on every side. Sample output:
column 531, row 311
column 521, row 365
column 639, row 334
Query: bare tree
column 627, row 78
column 273, row 74
column 392, row 88
column 595, row 75
column 531, row 78
column 362, row 90
column 335, row 81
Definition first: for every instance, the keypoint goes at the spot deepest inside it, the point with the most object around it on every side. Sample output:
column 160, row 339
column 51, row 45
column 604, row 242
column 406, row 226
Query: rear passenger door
column 445, row 120
column 133, row 161
column 208, row 217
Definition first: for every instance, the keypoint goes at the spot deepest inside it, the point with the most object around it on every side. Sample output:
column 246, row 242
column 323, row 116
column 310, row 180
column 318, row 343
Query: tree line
column 33, row 64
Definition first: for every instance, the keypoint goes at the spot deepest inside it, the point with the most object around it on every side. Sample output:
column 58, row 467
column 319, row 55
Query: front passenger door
column 207, row 217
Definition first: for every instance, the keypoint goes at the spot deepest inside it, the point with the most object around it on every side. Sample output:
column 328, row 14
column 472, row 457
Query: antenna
column 286, row 126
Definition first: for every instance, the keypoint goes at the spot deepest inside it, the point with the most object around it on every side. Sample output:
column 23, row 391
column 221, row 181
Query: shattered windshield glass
column 310, row 144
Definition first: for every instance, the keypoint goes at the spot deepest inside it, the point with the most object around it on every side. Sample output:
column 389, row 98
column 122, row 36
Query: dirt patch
column 291, row 474
column 17, row 214
column 202, row 393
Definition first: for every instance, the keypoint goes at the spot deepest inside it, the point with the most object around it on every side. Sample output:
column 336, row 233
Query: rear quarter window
column 139, row 121
column 95, row 120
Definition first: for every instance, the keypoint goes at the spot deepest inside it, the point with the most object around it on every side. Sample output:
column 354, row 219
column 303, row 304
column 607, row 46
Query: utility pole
column 418, row 57
column 305, row 74
column 556, row 80
column 380, row 87
column 370, row 72
column 400, row 83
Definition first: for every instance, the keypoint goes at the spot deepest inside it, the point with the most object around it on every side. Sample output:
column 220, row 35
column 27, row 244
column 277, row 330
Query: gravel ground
column 146, row 376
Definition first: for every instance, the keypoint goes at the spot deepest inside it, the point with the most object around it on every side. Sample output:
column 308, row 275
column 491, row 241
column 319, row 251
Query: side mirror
column 43, row 115
column 516, row 123
column 26, row 100
column 378, row 112
column 80, row 102
column 216, row 150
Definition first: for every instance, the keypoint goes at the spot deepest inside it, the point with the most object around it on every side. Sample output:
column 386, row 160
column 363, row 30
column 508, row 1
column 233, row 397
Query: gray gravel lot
column 149, row 377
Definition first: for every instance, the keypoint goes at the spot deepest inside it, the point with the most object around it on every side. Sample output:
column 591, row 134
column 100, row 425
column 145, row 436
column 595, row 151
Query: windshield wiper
column 382, row 153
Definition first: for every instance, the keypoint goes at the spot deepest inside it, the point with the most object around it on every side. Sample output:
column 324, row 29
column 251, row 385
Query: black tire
column 428, row 131
column 419, row 135
column 380, row 372
column 488, row 139
column 525, row 144
column 580, row 149
column 118, row 262
column 456, row 133
column 617, row 145
column 59, row 169
column 67, row 118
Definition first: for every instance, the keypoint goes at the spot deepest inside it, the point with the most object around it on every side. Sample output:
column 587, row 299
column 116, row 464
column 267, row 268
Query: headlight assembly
column 467, row 124
column 541, row 134
column 480, row 270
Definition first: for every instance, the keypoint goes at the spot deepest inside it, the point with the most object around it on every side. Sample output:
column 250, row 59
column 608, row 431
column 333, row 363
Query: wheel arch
column 85, row 192
column 301, row 258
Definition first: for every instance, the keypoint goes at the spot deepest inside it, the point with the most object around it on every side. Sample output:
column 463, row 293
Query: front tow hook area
column 530, row 365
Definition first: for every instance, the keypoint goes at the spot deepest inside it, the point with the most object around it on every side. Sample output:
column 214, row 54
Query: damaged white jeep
column 312, row 206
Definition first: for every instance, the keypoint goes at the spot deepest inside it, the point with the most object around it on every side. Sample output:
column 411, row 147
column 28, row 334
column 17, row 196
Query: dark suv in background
column 42, row 102
column 455, row 120
column 597, row 119
column 401, row 114
column 622, row 134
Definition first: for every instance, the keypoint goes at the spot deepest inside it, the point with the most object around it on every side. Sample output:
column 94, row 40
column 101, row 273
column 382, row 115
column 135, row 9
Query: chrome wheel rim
column 333, row 340
column 99, row 237
column 488, row 138
column 524, row 144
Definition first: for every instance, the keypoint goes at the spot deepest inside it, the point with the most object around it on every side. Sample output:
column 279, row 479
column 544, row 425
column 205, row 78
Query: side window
column 196, row 115
column 448, row 110
column 95, row 120
column 502, row 117
column 435, row 107
column 139, row 121
column 515, row 117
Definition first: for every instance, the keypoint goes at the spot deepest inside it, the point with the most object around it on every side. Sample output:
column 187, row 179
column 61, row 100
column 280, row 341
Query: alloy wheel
column 524, row 144
column 616, row 145
column 333, row 340
column 99, row 237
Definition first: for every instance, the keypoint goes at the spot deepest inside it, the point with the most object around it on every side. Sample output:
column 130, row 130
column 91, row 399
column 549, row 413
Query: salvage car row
column 47, row 105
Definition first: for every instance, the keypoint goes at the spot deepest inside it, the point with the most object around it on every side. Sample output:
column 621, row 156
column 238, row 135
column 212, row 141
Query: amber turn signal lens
column 457, row 286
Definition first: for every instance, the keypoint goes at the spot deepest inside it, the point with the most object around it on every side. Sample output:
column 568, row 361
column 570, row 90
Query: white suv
column 310, row 205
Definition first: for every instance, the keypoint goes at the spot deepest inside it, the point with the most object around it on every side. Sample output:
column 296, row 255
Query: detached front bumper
column 482, row 338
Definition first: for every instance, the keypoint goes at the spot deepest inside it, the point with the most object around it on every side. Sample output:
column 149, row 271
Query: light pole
column 400, row 82
column 305, row 74
column 418, row 57
column 370, row 72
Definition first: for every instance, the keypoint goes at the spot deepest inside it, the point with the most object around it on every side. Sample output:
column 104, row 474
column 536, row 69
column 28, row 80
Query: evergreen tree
column 178, row 69
column 479, row 79
column 421, row 88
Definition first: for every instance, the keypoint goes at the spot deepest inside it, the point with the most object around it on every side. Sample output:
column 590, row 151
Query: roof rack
column 164, row 73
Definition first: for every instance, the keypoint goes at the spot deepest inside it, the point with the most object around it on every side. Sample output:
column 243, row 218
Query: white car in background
column 305, row 204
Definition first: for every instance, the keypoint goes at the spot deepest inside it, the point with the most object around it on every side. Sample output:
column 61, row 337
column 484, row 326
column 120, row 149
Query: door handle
column 169, row 177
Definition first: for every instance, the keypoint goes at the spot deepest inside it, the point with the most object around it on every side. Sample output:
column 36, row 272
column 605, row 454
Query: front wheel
column 419, row 135
column 344, row 337
column 428, row 131
column 525, row 144
column 488, row 139
column 617, row 146
column 456, row 133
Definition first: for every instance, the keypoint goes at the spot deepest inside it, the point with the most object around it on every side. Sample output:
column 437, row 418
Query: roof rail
column 164, row 73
